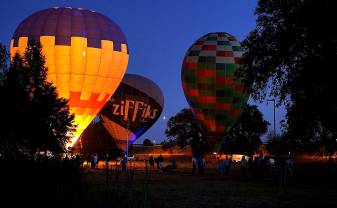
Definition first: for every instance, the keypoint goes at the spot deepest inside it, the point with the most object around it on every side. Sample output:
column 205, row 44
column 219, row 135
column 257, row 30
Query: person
column 124, row 163
column 267, row 168
column 194, row 164
column 93, row 160
column 151, row 161
column 330, row 164
column 250, row 164
column 243, row 166
column 221, row 167
column 227, row 165
column 202, row 165
column 289, row 166
column 273, row 168
column 255, row 166
column 96, row 160
column 160, row 162
column 79, row 160
column 107, row 159
column 203, row 160
column 157, row 162
column 261, row 166
column 172, row 165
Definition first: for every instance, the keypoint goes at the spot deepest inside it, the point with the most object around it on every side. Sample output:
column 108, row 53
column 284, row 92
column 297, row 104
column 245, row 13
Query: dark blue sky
column 158, row 32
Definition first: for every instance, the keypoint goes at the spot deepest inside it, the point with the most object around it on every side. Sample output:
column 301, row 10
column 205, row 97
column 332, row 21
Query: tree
column 245, row 135
column 35, row 117
column 147, row 142
column 278, row 145
column 184, row 130
column 3, row 59
column 167, row 144
column 291, row 55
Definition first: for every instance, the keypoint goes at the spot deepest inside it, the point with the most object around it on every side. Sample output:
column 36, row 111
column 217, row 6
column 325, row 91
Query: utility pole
column 127, row 139
column 273, row 100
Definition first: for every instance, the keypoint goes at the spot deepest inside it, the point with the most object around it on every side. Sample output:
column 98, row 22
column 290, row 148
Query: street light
column 273, row 100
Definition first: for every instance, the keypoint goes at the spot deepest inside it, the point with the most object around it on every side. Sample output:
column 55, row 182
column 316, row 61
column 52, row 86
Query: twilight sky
column 159, row 33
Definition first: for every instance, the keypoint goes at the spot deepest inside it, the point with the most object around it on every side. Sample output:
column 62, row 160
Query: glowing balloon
column 86, row 56
column 215, row 95
column 132, row 110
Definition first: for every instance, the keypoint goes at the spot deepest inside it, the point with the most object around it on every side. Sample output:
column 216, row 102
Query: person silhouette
column 243, row 166
column 194, row 164
column 151, row 161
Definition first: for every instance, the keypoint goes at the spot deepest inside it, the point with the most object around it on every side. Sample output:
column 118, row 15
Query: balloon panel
column 133, row 109
column 64, row 23
column 86, row 56
column 214, row 93
column 120, row 134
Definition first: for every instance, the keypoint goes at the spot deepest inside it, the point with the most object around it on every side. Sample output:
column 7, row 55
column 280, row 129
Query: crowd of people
column 259, row 166
column 123, row 161
column 199, row 162
column 159, row 161
column 332, row 164
column 254, row 166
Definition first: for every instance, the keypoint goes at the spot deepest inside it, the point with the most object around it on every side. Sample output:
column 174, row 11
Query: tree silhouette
column 147, row 142
column 3, row 58
column 245, row 135
column 292, row 54
column 183, row 129
column 35, row 118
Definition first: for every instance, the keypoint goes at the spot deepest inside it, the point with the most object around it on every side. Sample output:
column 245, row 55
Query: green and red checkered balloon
column 215, row 95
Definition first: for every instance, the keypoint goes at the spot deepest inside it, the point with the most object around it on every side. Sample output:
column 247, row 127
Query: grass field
column 311, row 186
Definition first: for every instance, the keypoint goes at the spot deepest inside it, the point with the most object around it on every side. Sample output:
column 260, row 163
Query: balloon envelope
column 86, row 56
column 132, row 110
column 211, row 88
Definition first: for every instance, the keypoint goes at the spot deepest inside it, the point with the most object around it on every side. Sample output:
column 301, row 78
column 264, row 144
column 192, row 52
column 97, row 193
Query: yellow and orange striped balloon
column 86, row 56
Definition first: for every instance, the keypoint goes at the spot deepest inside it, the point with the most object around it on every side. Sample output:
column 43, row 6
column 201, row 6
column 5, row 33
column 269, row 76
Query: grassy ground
column 311, row 186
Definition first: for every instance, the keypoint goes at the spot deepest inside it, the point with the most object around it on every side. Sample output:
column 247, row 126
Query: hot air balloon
column 132, row 110
column 214, row 93
column 86, row 56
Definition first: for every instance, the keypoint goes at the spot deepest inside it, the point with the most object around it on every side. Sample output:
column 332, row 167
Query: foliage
column 167, row 144
column 184, row 130
column 323, row 144
column 277, row 144
column 147, row 142
column 3, row 58
column 34, row 117
column 292, row 53
column 245, row 135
